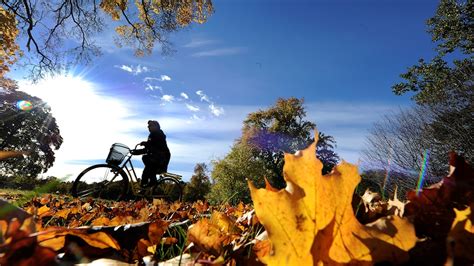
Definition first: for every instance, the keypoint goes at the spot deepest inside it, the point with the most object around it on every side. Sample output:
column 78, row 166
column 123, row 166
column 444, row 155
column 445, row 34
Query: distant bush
column 46, row 185
column 199, row 185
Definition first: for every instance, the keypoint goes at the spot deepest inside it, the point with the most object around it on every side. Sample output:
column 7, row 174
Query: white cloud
column 184, row 95
column 134, row 70
column 219, row 52
column 161, row 78
column 192, row 108
column 165, row 78
column 216, row 110
column 126, row 68
column 203, row 97
column 153, row 88
column 198, row 43
column 167, row 98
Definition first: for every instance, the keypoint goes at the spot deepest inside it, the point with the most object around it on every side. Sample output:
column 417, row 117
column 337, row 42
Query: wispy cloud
column 192, row 108
column 219, row 52
column 184, row 95
column 167, row 98
column 198, row 43
column 203, row 97
column 148, row 79
column 135, row 70
column 216, row 110
column 150, row 87
column 161, row 78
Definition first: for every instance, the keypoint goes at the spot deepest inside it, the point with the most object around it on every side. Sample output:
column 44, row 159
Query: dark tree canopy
column 61, row 32
column 199, row 185
column 34, row 131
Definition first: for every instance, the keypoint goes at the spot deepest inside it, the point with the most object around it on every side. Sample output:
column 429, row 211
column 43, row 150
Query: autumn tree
column 442, row 120
column 199, row 184
column 283, row 128
column 59, row 33
column 230, row 174
column 34, row 131
column 444, row 85
column 259, row 152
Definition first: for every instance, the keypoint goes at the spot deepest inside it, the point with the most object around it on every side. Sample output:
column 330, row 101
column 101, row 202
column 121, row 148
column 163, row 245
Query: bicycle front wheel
column 168, row 189
column 101, row 181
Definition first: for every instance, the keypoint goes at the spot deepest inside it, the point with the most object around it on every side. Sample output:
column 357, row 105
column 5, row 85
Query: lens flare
column 421, row 177
column 24, row 105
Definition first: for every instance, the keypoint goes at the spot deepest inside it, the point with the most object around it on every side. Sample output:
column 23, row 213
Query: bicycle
column 117, row 178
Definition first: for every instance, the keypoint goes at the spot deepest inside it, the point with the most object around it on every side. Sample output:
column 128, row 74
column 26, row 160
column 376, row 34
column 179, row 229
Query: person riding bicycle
column 157, row 155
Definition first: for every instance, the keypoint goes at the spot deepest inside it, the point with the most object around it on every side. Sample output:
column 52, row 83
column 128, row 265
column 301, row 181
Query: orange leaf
column 207, row 237
column 262, row 248
column 63, row 213
column 51, row 239
column 101, row 221
column 97, row 240
column 156, row 231
column 315, row 223
column 43, row 210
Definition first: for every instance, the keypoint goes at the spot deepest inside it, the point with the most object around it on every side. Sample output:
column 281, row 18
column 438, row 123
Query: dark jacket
column 155, row 145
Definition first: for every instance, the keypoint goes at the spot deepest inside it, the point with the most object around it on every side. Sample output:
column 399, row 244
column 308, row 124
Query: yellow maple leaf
column 312, row 220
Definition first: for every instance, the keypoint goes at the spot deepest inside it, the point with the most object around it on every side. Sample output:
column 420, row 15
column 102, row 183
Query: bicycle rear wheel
column 168, row 189
column 101, row 181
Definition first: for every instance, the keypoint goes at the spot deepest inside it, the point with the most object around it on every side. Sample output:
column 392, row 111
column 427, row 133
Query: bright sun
column 88, row 119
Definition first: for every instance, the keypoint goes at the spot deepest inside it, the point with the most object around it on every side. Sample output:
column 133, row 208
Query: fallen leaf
column 314, row 221
column 208, row 237
column 101, row 221
column 62, row 213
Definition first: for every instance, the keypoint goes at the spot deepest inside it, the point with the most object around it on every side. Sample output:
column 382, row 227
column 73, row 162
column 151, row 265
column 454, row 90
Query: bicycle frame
column 130, row 172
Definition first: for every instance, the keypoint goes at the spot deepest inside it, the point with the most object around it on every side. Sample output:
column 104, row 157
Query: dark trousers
column 154, row 164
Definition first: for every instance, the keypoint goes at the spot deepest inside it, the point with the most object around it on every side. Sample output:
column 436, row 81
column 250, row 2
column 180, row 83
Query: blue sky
column 342, row 57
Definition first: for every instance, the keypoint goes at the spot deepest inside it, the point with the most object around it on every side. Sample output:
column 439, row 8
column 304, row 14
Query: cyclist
column 157, row 155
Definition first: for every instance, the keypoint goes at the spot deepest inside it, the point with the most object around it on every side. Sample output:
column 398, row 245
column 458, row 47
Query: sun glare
column 88, row 119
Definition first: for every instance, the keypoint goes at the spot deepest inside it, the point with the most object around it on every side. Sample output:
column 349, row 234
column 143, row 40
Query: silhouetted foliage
column 199, row 185
column 34, row 131
column 60, row 33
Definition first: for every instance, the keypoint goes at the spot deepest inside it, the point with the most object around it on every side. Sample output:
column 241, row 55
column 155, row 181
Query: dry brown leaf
column 156, row 231
column 315, row 223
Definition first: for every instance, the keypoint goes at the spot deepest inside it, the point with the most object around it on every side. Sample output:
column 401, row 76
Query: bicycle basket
column 117, row 153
